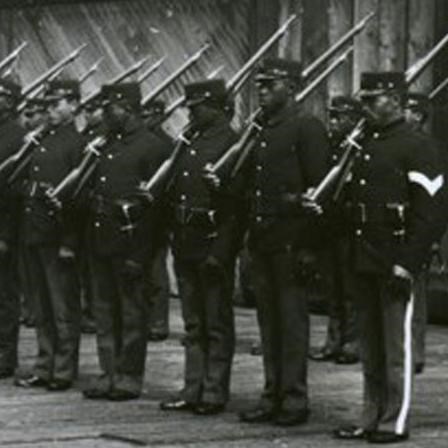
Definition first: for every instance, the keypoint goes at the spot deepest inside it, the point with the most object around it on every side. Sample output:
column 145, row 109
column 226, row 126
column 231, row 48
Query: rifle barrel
column 338, row 45
column 417, row 68
column 234, row 81
column 171, row 78
column 93, row 69
column 12, row 56
column 330, row 69
column 438, row 89
column 151, row 70
column 43, row 78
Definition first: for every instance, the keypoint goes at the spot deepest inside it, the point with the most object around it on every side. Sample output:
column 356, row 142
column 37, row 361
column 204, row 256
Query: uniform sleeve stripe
column 431, row 186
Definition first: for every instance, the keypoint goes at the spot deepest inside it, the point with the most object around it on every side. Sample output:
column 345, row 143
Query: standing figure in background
column 11, row 140
column 123, row 235
column 341, row 345
column 204, row 255
column 51, row 243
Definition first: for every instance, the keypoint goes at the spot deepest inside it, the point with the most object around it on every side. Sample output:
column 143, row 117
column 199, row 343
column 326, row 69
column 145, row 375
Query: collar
column 282, row 115
column 390, row 128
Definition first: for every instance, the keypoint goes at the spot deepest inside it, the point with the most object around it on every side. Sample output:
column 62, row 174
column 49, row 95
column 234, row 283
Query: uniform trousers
column 385, row 330
column 281, row 301
column 119, row 308
column 9, row 312
column 58, row 313
column 157, row 292
column 206, row 299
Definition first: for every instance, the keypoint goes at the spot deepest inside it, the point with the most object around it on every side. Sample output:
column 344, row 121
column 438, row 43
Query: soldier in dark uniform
column 341, row 345
column 157, row 287
column 51, row 243
column 33, row 116
column 204, row 255
column 122, row 232
column 416, row 113
column 290, row 155
column 11, row 139
column 394, row 190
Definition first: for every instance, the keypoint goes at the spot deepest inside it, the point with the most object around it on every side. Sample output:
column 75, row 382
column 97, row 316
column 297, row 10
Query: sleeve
column 428, row 203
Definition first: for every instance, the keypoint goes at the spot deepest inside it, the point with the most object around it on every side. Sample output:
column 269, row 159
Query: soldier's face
column 115, row 116
column 201, row 114
column 94, row 116
column 381, row 108
column 5, row 104
column 33, row 119
column 340, row 123
column 413, row 118
column 61, row 111
column 273, row 94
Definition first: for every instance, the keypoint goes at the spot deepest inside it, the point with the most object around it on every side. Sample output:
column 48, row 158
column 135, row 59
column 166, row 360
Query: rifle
column 12, row 57
column 243, row 147
column 92, row 70
column 119, row 78
column 338, row 174
column 20, row 159
column 438, row 89
column 145, row 75
column 176, row 74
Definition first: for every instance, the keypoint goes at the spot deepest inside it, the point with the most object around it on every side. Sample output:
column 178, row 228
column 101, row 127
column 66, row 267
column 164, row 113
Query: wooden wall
column 124, row 31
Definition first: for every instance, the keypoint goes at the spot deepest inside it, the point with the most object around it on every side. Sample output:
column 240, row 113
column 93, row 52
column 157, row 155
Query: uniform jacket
column 395, row 199
column 128, row 158
column 11, row 139
column 201, row 219
column 290, row 155
column 59, row 152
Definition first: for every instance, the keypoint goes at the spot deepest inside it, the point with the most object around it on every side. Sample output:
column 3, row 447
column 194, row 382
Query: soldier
column 34, row 115
column 290, row 155
column 51, row 242
column 341, row 345
column 11, row 139
column 393, row 193
column 157, row 288
column 122, row 233
column 416, row 113
column 204, row 255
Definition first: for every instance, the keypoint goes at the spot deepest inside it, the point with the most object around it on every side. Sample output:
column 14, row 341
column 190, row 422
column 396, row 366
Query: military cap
column 345, row 104
column 212, row 91
column 417, row 101
column 59, row 89
column 378, row 83
column 154, row 107
column 128, row 92
column 10, row 88
column 278, row 68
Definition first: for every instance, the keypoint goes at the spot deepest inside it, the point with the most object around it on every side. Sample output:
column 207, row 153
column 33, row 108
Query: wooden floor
column 62, row 420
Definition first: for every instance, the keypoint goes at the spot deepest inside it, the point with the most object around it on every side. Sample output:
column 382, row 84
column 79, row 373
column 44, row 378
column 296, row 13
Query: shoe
column 258, row 415
column 31, row 381
column 351, row 433
column 292, row 418
column 155, row 336
column 209, row 409
column 346, row 358
column 256, row 349
column 386, row 437
column 59, row 385
column 321, row 354
column 6, row 372
column 122, row 395
column 96, row 393
column 176, row 404
column 419, row 368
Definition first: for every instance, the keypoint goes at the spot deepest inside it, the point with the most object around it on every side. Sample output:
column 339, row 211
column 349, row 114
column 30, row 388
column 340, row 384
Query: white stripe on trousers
column 400, row 425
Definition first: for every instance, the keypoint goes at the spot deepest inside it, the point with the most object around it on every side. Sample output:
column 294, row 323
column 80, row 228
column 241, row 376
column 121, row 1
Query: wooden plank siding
column 124, row 31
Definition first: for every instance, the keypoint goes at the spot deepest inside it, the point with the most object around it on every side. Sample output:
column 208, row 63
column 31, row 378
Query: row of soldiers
column 380, row 230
